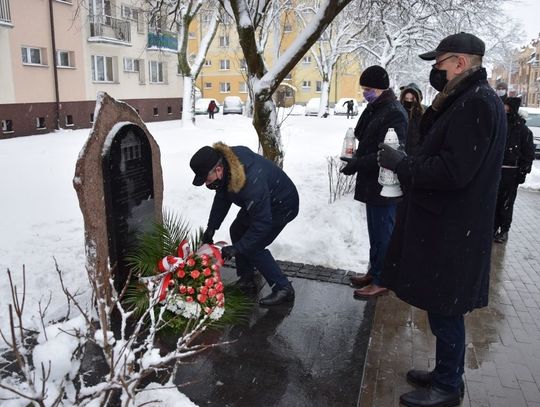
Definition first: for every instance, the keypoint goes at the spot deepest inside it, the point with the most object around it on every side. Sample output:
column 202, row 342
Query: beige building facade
column 108, row 46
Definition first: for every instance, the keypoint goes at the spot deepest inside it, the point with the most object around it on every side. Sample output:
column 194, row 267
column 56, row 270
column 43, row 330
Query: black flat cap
column 462, row 43
column 202, row 163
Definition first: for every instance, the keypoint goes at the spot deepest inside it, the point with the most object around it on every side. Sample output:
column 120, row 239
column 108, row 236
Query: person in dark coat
column 517, row 163
column 211, row 109
column 350, row 108
column 268, row 200
column 439, row 257
column 382, row 112
column 411, row 99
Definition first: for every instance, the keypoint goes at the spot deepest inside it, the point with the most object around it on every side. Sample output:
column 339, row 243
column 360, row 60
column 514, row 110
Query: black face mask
column 437, row 79
column 215, row 185
column 408, row 105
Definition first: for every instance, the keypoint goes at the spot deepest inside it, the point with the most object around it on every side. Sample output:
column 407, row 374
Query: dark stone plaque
column 129, row 195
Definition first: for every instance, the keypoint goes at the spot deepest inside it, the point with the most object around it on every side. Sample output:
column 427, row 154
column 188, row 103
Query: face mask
column 408, row 105
column 437, row 79
column 370, row 95
column 215, row 185
column 501, row 92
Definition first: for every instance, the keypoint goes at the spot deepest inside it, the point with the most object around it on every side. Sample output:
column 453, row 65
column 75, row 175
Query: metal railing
column 162, row 39
column 5, row 14
column 103, row 26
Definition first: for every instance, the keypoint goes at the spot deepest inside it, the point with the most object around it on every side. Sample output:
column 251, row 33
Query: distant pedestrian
column 382, row 112
column 501, row 88
column 439, row 257
column 411, row 98
column 517, row 163
column 350, row 108
column 212, row 107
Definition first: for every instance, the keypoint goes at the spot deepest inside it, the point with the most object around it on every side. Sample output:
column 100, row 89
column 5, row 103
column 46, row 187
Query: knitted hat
column 375, row 77
column 202, row 163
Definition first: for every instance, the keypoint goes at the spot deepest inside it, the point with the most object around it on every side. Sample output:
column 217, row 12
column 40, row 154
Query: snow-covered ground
column 41, row 216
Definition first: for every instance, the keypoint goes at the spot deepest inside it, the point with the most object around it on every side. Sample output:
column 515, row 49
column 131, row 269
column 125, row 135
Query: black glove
column 389, row 157
column 208, row 236
column 228, row 252
column 350, row 168
column 521, row 177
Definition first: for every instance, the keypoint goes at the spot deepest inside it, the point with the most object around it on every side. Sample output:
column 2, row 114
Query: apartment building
column 56, row 55
column 522, row 73
column 224, row 71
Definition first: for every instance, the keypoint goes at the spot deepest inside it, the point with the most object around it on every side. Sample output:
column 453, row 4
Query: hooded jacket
column 260, row 188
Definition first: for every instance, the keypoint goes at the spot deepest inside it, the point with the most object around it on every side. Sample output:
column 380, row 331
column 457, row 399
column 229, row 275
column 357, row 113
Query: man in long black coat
column 439, row 256
column 268, row 200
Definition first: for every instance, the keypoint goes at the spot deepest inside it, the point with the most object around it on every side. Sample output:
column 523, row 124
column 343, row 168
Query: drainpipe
column 55, row 70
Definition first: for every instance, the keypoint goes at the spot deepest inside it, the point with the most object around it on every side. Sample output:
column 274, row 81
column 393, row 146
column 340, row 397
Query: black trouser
column 505, row 199
column 210, row 115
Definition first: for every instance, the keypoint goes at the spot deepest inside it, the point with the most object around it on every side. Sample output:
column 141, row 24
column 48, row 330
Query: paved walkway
column 502, row 362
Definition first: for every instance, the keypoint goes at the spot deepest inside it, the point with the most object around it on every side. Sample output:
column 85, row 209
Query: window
column 223, row 40
column 191, row 35
column 40, row 123
column 64, row 59
column 91, row 117
column 156, row 72
column 69, row 120
column 131, row 65
column 306, row 60
column 169, row 110
column 318, row 86
column 102, row 68
column 7, row 125
column 208, row 85
column 287, row 28
column 130, row 13
column 31, row 56
column 288, row 92
column 242, row 86
column 224, row 64
column 207, row 62
column 243, row 64
column 206, row 18
column 225, row 87
column 156, row 111
column 306, row 84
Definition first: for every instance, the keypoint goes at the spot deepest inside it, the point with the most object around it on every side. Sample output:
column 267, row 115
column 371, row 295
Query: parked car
column 312, row 107
column 233, row 104
column 532, row 117
column 341, row 109
column 201, row 105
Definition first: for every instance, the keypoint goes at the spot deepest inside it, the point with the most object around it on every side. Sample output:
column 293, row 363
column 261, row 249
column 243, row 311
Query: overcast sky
column 528, row 13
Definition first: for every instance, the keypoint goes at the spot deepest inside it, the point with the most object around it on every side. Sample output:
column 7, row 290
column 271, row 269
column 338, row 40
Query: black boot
column 432, row 397
column 501, row 237
column 279, row 296
column 422, row 378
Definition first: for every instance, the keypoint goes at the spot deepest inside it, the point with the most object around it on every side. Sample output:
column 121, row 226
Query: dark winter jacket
column 519, row 151
column 414, row 114
column 384, row 113
column 439, row 255
column 259, row 187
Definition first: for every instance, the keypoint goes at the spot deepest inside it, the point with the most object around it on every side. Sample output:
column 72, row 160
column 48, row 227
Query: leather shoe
column 423, row 378
column 361, row 281
column 370, row 291
column 279, row 296
column 432, row 397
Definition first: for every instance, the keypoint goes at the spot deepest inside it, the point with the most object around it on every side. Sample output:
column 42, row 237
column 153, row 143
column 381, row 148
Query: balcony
column 163, row 40
column 5, row 14
column 109, row 29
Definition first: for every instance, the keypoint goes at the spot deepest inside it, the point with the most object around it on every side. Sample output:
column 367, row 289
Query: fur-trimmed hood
column 237, row 175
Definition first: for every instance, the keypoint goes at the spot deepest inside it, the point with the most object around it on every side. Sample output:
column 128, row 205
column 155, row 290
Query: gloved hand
column 208, row 236
column 228, row 252
column 350, row 168
column 521, row 177
column 389, row 157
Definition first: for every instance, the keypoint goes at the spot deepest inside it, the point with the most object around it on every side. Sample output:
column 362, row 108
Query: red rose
column 215, row 267
column 204, row 263
column 209, row 282
column 204, row 257
column 190, row 262
column 221, row 304
column 212, row 292
column 182, row 289
column 195, row 274
column 204, row 290
column 181, row 273
column 189, row 299
column 202, row 298
column 190, row 290
column 207, row 272
column 219, row 287
column 220, row 296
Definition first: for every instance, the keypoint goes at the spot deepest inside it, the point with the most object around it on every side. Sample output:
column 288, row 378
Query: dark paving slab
column 310, row 353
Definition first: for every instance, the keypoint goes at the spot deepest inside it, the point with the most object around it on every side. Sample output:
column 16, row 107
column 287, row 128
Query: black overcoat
column 384, row 113
column 439, row 255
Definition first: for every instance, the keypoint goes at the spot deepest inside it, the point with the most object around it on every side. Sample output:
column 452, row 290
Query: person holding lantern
column 268, row 201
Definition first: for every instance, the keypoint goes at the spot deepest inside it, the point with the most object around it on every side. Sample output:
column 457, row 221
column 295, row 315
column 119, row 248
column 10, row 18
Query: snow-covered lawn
column 40, row 215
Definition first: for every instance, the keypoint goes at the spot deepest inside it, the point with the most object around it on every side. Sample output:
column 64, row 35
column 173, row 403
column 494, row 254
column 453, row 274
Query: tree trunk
column 265, row 123
column 325, row 97
column 188, row 116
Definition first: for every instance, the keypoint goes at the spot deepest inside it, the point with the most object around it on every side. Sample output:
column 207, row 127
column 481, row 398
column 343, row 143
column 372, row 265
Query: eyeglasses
column 436, row 64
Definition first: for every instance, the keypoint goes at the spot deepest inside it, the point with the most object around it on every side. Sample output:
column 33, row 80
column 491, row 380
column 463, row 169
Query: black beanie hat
column 375, row 77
